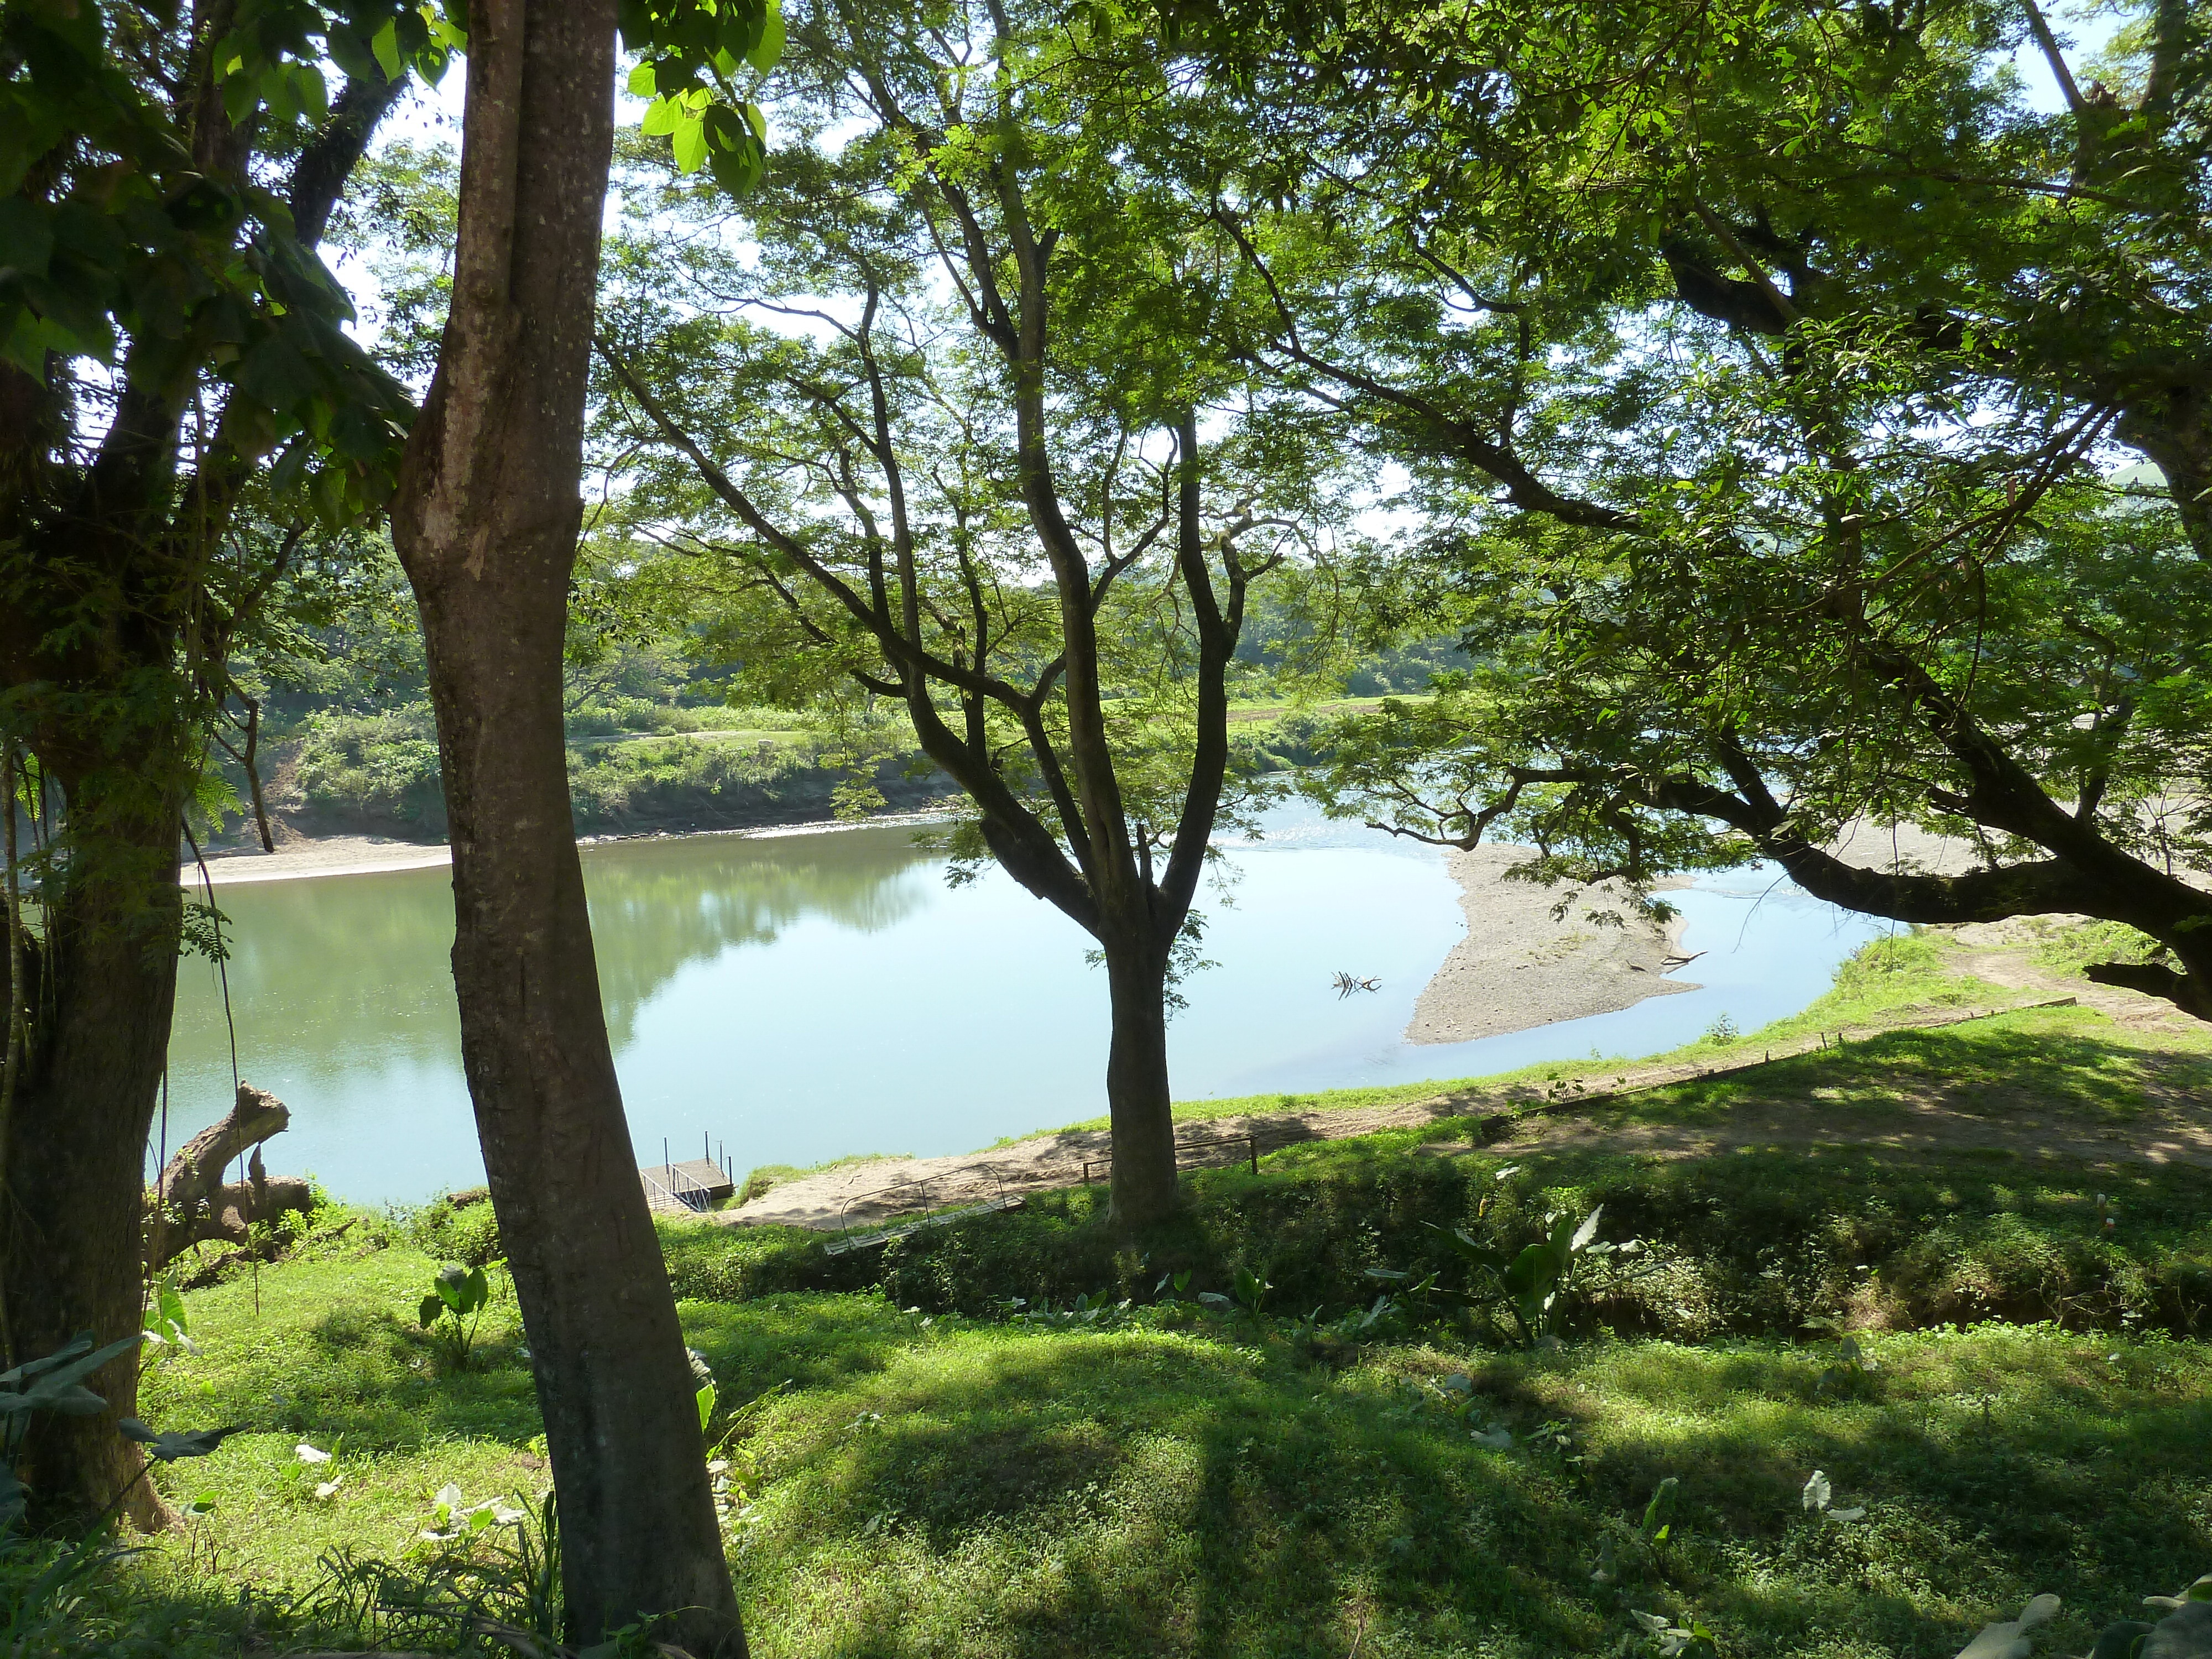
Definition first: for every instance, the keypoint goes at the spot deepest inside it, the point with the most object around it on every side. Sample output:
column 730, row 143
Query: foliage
column 39, row 1593
column 488, row 1573
column 454, row 1308
column 1759, row 1240
column 1532, row 1281
column 455, row 1226
column 54, row 1384
column 1772, row 487
column 377, row 769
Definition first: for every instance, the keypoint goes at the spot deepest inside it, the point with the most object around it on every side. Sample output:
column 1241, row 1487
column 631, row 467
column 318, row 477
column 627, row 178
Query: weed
column 454, row 1308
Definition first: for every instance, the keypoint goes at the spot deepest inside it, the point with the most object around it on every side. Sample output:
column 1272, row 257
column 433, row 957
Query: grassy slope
column 948, row 1484
column 950, row 1488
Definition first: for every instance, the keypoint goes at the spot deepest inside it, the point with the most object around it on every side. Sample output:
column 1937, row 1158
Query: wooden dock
column 689, row 1188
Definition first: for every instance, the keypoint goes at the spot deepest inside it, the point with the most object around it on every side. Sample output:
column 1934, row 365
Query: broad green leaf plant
column 1530, row 1283
column 452, row 1310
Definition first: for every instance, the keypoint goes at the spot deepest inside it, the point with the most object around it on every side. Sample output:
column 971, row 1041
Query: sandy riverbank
column 1518, row 967
column 299, row 856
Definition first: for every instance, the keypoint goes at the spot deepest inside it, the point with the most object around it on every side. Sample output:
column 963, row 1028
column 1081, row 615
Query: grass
column 918, row 1473
column 941, row 1486
column 1759, row 1240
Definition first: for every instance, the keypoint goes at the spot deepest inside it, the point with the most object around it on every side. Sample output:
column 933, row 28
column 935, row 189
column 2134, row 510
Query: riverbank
column 298, row 857
column 1257, row 1433
column 1919, row 983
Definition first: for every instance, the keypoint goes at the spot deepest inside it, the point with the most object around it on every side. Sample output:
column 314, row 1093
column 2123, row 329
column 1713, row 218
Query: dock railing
column 666, row 1181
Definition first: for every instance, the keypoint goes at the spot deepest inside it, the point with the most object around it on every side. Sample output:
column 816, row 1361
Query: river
column 798, row 997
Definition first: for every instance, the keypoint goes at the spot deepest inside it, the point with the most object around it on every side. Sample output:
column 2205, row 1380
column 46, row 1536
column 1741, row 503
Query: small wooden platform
column 691, row 1185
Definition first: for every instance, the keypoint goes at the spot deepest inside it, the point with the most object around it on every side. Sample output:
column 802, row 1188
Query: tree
column 173, row 361
column 981, row 490
column 486, row 519
column 1761, row 399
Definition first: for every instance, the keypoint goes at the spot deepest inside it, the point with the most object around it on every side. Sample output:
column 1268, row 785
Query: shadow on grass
column 1151, row 1494
column 2028, row 1065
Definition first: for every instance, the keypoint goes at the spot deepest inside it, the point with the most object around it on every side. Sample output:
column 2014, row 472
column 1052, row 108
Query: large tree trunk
column 76, row 1135
column 486, row 523
column 1141, row 1112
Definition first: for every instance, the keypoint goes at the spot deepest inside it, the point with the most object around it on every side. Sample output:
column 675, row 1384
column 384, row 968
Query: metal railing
column 919, row 1186
column 1207, row 1151
column 672, row 1184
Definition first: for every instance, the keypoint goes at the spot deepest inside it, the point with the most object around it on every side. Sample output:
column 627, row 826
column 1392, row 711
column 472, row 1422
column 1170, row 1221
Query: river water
column 794, row 998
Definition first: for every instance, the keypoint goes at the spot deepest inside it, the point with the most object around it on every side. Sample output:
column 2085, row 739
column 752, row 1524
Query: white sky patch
column 2082, row 36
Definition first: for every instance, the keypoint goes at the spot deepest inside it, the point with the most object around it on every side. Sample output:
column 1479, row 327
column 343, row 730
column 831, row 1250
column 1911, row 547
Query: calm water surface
column 796, row 998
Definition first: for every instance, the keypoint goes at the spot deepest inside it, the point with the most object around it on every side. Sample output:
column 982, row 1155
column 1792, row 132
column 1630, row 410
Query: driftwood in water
column 191, row 1202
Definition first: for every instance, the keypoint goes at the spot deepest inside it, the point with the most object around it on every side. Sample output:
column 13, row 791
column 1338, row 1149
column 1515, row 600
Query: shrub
column 1754, row 1242
column 455, row 1227
column 377, row 768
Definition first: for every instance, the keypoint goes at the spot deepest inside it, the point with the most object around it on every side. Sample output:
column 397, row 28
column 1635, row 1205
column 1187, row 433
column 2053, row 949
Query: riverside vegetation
column 1794, row 416
column 1298, row 1422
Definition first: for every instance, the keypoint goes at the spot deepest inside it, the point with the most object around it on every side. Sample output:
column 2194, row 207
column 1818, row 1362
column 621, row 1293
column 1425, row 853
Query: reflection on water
column 800, row 997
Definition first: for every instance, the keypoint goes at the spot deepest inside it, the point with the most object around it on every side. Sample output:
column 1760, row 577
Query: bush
column 377, row 770
column 455, row 1227
column 1752, row 1244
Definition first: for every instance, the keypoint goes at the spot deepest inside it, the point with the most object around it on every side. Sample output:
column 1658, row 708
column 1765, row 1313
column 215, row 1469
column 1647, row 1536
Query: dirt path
column 1906, row 1113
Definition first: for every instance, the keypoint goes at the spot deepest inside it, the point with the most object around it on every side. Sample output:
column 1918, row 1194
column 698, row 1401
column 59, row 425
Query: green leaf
column 736, row 171
column 51, row 1382
column 641, row 82
column 1588, row 1231
column 171, row 1303
column 769, row 47
column 706, row 1399
column 661, row 119
column 61, row 1402
column 239, row 94
column 312, row 92
column 175, row 1443
column 26, row 239
column 384, row 45
column 690, row 144
column 433, row 1306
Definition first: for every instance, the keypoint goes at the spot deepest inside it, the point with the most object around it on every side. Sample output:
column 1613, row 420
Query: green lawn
column 940, row 1487
column 931, row 1451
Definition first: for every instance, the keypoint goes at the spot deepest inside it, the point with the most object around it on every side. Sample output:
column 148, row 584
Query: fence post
column 1255, row 1141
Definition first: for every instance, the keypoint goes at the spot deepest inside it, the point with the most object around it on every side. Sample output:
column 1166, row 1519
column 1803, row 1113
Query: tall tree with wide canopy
column 486, row 519
column 982, row 490
column 169, row 345
column 1758, row 371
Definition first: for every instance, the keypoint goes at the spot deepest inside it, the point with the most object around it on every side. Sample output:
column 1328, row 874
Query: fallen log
column 191, row 1203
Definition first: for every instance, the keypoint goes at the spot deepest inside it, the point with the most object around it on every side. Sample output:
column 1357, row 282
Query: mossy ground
column 917, row 1471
